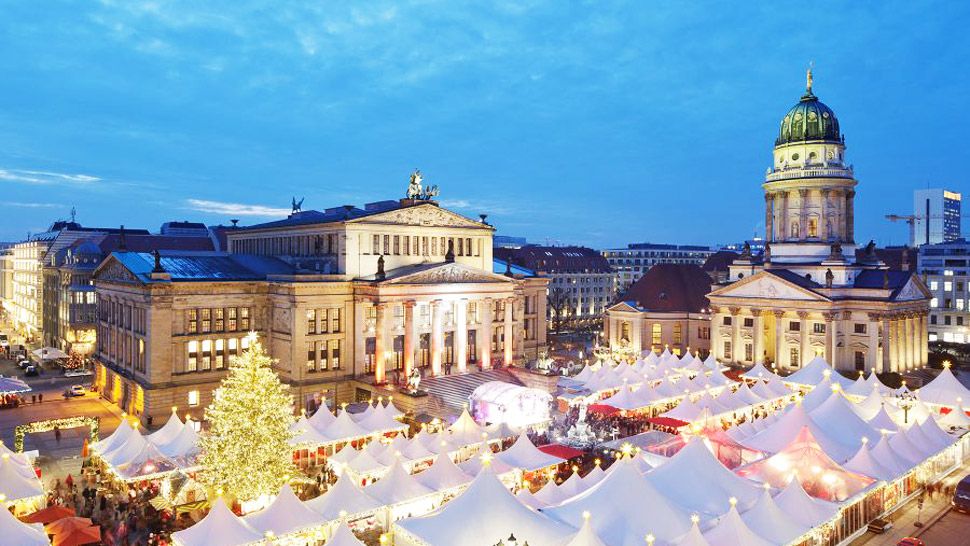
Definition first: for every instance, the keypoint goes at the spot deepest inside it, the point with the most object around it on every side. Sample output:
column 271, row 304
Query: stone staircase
column 450, row 392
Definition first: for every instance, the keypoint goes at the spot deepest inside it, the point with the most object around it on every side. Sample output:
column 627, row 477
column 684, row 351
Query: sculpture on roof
column 381, row 275
column 414, row 186
column 158, row 262
column 746, row 250
column 298, row 205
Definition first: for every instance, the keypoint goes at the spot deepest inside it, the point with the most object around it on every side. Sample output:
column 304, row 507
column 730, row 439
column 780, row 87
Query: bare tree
column 558, row 299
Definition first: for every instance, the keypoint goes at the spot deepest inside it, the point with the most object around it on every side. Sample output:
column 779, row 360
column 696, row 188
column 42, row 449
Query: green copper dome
column 809, row 121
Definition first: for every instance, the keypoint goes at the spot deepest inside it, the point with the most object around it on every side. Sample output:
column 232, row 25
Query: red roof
column 671, row 288
column 561, row 451
column 604, row 409
column 667, row 422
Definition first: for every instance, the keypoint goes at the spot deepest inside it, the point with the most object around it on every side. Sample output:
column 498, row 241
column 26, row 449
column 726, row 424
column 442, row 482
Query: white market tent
column 626, row 507
column 115, row 439
column 759, row 371
column 465, row 431
column 18, row 533
column 944, row 390
column 702, row 484
column 396, row 487
column 485, row 512
column 731, row 530
column 343, row 536
column 815, row 372
column 343, row 497
column 220, row 527
column 586, row 536
column 694, row 537
column 524, row 455
column 169, row 430
column 803, row 508
column 15, row 482
column 443, row 475
column 12, row 385
column 474, row 465
column 286, row 514
column 863, row 462
column 768, row 520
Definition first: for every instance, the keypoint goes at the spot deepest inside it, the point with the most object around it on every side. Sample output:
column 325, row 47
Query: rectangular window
column 748, row 322
column 324, row 363
column 335, row 321
column 794, row 326
column 193, row 316
column 678, row 333
column 793, row 355
column 193, row 398
column 220, row 319
column 424, row 246
column 311, row 357
column 311, row 321
column 860, row 360
column 656, row 335
column 859, row 328
column 946, row 320
column 192, row 364
column 703, row 332
column 206, row 320
column 947, row 286
column 232, row 319
column 206, row 355
column 726, row 321
column 387, row 244
column 220, row 354
column 376, row 246
column 468, row 246
column 727, row 350
column 748, row 352
column 434, row 246
column 932, row 319
column 233, row 348
column 934, row 285
column 334, row 353
column 818, row 328
column 407, row 245
column 397, row 245
column 244, row 319
column 959, row 320
column 461, row 247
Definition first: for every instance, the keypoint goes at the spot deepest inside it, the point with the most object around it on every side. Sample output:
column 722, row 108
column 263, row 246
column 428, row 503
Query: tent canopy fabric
column 286, row 514
column 815, row 372
column 12, row 385
column 485, row 512
column 343, row 496
column 220, row 527
column 524, row 455
column 944, row 390
column 442, row 475
column 804, row 509
column 768, row 520
column 343, row 536
column 731, row 530
column 396, row 487
column 18, row 533
column 14, row 481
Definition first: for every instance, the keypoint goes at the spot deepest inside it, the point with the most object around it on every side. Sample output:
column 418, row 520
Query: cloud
column 478, row 207
column 32, row 205
column 235, row 209
column 47, row 177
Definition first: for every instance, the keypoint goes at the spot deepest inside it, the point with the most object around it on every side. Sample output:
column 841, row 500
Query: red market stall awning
column 560, row 450
column 603, row 409
column 667, row 422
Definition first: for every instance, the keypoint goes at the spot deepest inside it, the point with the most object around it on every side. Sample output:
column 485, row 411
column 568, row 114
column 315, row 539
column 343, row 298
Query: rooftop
column 671, row 288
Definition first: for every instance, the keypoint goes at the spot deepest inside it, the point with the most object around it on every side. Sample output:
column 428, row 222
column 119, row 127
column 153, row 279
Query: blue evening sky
column 598, row 123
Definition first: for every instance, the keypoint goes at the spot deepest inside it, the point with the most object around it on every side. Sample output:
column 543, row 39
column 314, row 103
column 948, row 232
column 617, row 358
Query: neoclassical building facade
column 349, row 301
column 807, row 295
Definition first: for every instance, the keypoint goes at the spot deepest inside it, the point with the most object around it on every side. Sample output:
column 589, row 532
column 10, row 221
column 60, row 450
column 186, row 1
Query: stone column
column 769, row 217
column 803, row 214
column 831, row 350
column 736, row 354
column 380, row 343
column 924, row 339
column 894, row 343
column 823, row 226
column 409, row 335
column 849, row 216
column 507, row 329
column 360, row 337
column 757, row 336
column 872, row 355
column 885, row 326
column 803, row 337
column 784, row 217
column 461, row 335
column 909, row 336
column 716, row 344
column 485, row 333
column 437, row 338
column 780, row 359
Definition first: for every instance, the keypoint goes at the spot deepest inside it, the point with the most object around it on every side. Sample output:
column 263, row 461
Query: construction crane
column 909, row 219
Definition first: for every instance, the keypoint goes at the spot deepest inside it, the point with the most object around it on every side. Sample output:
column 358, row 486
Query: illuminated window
column 678, row 333
column 220, row 354
column 193, row 398
column 813, row 227
column 793, row 355
column 656, row 335
column 311, row 357
column 192, row 363
column 311, row 321
column 206, row 355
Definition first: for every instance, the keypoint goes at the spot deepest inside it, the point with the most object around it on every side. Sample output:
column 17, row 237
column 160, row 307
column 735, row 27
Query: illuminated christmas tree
column 246, row 454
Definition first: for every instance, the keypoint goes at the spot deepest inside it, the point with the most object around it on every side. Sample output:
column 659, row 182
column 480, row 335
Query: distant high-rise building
column 630, row 263
column 936, row 216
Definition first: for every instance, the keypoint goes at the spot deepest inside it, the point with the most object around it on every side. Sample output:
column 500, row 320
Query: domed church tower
column 809, row 190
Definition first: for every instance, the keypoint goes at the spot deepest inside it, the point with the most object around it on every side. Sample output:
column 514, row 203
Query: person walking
column 57, row 434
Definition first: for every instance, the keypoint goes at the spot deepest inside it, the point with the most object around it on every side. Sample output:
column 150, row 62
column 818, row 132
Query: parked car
column 961, row 496
column 32, row 371
column 911, row 541
column 77, row 390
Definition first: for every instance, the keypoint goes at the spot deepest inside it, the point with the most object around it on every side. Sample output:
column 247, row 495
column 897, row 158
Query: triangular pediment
column 623, row 307
column 113, row 270
column 914, row 289
column 428, row 215
column 447, row 273
column 767, row 286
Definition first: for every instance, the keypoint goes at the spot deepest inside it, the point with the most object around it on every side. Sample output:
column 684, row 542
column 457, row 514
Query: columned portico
column 887, row 352
column 380, row 343
column 803, row 339
column 409, row 335
column 507, row 331
column 757, row 335
column 779, row 337
column 485, row 334
column 461, row 334
column 437, row 338
column 831, row 342
column 737, row 354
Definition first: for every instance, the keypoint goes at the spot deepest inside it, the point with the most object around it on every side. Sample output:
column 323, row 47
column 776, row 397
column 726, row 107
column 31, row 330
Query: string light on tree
column 246, row 453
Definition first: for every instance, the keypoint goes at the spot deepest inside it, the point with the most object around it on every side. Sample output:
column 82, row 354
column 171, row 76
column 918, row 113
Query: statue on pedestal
column 414, row 380
column 414, row 186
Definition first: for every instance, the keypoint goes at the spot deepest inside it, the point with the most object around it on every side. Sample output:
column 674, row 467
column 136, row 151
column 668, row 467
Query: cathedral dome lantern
column 810, row 120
